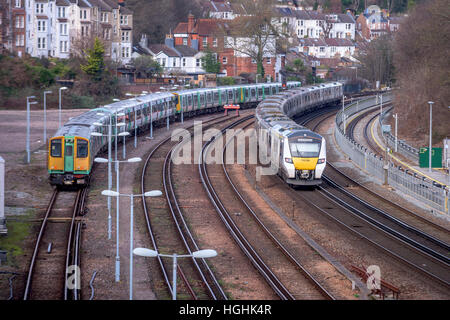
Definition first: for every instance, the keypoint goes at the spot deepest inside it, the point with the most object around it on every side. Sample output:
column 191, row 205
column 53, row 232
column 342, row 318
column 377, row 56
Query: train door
column 68, row 154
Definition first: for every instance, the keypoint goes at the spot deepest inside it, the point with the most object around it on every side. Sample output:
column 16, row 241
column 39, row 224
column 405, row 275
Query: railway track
column 260, row 261
column 410, row 245
column 54, row 267
column 163, row 237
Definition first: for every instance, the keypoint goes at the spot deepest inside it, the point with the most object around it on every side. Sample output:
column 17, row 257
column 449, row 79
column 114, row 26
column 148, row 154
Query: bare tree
column 253, row 35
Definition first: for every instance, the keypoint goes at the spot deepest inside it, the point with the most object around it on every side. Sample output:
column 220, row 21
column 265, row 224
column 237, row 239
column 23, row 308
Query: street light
column 59, row 114
column 431, row 124
column 206, row 253
column 153, row 193
column 45, row 115
column 28, row 125
column 109, row 135
column 103, row 160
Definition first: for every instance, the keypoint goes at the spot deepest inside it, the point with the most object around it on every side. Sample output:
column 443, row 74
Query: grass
column 14, row 241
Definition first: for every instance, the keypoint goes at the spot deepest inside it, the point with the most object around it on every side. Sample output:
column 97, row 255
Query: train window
column 202, row 99
column 253, row 93
column 216, row 96
column 266, row 90
column 69, row 150
column 208, row 97
column 224, row 96
column 260, row 92
column 305, row 149
column 82, row 148
column 56, row 148
column 230, row 94
column 189, row 100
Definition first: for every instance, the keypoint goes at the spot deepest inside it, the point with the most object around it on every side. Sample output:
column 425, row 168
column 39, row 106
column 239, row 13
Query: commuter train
column 71, row 151
column 295, row 153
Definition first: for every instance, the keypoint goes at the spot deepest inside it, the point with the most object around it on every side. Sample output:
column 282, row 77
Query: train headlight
column 321, row 161
column 288, row 160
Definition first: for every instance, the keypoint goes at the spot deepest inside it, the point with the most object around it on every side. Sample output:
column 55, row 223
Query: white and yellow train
column 297, row 154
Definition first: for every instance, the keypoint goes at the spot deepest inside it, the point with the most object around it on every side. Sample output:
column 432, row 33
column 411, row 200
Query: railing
column 386, row 172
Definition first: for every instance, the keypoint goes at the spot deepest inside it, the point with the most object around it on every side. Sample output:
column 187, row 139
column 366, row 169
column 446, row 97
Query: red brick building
column 201, row 34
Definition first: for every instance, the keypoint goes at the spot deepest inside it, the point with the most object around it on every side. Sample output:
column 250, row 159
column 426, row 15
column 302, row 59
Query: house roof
column 216, row 6
column 339, row 42
column 310, row 42
column 186, row 51
column 157, row 48
column 201, row 27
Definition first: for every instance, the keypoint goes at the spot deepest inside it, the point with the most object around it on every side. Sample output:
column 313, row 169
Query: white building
column 54, row 26
column 326, row 48
column 311, row 24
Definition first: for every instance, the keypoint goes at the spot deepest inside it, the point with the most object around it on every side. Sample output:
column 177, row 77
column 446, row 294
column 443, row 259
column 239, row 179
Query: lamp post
column 144, row 252
column 45, row 115
column 131, row 160
column 396, row 125
column 431, row 142
column 59, row 114
column 28, row 125
column 154, row 193
column 109, row 135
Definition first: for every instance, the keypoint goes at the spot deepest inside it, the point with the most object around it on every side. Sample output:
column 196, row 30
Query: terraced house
column 59, row 28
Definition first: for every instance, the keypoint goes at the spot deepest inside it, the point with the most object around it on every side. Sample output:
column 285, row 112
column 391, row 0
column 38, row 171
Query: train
column 71, row 151
column 296, row 154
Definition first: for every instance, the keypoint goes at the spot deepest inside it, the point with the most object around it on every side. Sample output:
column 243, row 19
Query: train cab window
column 305, row 149
column 82, row 149
column 56, row 148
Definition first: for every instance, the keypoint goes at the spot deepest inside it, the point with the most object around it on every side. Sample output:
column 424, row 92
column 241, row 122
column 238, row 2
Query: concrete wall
column 2, row 197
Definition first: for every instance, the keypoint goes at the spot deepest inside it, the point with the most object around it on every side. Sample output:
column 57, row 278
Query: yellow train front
column 69, row 160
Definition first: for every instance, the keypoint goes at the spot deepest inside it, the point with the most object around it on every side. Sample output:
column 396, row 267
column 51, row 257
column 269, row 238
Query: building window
column 184, row 62
column 322, row 49
column 123, row 19
column 185, row 42
column 42, row 25
column 269, row 61
column 41, row 43
column 18, row 3
column 198, row 62
column 215, row 42
column 39, row 8
column 84, row 30
column 61, row 12
column 205, row 42
column 224, row 60
column 126, row 53
column 63, row 46
column 83, row 14
column 125, row 36
column 174, row 64
column 20, row 40
column 63, row 29
column 20, row 22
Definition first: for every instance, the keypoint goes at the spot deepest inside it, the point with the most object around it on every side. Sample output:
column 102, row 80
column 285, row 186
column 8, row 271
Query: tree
column 377, row 61
column 95, row 65
column 210, row 63
column 146, row 65
column 253, row 35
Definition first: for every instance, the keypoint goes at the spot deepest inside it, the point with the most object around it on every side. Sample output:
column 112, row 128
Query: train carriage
column 71, row 151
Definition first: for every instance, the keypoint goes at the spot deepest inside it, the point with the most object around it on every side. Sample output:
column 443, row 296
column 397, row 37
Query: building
column 12, row 26
column 372, row 23
column 312, row 24
column 59, row 28
column 326, row 48
column 212, row 34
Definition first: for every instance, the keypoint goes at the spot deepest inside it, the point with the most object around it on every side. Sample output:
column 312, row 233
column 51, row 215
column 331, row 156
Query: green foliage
column 95, row 65
column 210, row 63
column 146, row 66
column 225, row 81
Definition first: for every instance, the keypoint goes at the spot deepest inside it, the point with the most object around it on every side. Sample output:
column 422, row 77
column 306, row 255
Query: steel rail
column 149, row 225
column 234, row 230
column 266, row 230
column 37, row 245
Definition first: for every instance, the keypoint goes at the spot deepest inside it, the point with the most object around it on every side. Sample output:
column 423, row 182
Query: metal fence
column 402, row 147
column 386, row 172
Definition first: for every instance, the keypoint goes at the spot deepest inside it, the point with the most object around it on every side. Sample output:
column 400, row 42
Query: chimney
column 194, row 44
column 144, row 41
column 190, row 22
column 121, row 3
column 169, row 41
